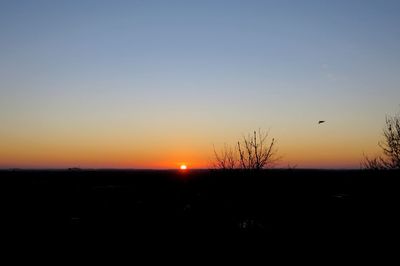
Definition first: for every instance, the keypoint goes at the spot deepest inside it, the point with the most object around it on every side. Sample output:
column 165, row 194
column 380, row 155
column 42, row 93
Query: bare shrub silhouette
column 253, row 152
column 225, row 159
column 390, row 159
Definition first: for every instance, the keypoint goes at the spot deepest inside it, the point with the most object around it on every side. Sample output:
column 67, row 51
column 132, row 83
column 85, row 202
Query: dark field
column 275, row 203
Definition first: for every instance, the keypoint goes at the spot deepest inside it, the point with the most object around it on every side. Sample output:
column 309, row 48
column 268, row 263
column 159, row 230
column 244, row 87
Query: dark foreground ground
column 276, row 203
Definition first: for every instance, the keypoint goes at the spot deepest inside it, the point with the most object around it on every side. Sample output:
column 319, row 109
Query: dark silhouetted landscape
column 332, row 204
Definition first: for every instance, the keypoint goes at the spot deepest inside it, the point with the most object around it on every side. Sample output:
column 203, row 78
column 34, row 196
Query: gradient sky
column 152, row 84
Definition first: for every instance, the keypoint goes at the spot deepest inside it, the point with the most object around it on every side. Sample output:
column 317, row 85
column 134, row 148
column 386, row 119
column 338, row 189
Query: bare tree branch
column 225, row 159
column 390, row 145
column 252, row 152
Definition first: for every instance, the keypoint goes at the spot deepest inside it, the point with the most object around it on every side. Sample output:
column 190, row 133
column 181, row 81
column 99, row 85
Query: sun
column 183, row 167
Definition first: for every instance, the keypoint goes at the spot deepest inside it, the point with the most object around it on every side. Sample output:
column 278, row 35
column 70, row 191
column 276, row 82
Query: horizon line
column 159, row 169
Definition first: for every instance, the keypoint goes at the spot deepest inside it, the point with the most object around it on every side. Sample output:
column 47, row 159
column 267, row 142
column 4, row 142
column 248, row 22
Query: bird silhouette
column 321, row 121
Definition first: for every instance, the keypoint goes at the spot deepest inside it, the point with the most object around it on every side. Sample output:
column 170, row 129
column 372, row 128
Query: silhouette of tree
column 225, row 159
column 253, row 152
column 390, row 159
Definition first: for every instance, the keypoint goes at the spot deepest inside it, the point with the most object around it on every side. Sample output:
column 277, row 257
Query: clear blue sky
column 89, row 82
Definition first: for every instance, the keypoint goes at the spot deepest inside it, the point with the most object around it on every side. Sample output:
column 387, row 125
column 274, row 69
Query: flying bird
column 321, row 121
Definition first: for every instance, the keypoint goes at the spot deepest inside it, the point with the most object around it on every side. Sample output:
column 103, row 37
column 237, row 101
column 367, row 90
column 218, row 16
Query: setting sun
column 183, row 167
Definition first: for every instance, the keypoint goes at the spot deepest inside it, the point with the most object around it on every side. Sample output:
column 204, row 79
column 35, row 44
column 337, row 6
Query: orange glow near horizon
column 168, row 153
column 290, row 162
column 293, row 158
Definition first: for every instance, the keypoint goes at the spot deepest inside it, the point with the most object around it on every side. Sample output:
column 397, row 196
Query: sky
column 154, row 84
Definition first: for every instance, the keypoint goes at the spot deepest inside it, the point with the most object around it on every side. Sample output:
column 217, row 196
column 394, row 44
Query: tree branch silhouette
column 253, row 152
column 390, row 145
